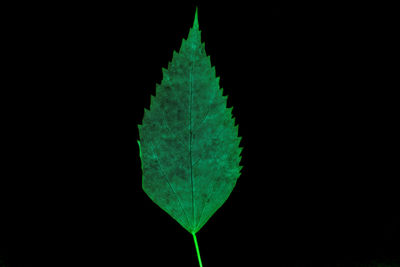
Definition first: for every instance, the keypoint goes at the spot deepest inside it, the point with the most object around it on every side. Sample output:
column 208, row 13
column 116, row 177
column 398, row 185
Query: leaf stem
column 197, row 249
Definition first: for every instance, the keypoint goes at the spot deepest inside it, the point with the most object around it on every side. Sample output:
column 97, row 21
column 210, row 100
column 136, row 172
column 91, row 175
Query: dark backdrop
column 313, row 94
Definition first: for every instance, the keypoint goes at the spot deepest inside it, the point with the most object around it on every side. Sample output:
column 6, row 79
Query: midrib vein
column 190, row 134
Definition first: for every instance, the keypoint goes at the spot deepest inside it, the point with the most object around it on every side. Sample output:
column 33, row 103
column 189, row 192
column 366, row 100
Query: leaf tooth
column 145, row 115
column 203, row 48
column 240, row 150
column 183, row 44
column 240, row 168
column 165, row 73
column 225, row 98
column 235, row 126
column 158, row 86
column 175, row 55
column 164, row 70
column 225, row 93
column 220, row 92
column 237, row 144
column 230, row 111
column 213, row 69
column 236, row 121
column 152, row 100
column 240, row 155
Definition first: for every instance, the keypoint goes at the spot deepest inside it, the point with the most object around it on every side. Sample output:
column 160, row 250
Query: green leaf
column 189, row 144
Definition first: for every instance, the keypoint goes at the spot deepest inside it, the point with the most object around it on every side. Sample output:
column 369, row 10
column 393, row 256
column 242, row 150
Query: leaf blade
column 189, row 143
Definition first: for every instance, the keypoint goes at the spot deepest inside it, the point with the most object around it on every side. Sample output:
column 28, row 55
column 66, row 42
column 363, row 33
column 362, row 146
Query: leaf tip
column 196, row 20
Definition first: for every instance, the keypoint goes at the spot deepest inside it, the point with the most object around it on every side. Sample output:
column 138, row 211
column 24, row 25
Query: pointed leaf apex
column 196, row 21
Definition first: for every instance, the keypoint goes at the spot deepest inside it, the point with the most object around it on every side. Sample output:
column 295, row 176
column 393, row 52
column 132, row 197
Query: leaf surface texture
column 188, row 139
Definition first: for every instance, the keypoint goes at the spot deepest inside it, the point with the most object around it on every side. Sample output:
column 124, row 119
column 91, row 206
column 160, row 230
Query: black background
column 313, row 94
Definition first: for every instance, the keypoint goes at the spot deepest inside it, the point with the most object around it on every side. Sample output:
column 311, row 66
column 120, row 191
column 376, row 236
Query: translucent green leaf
column 188, row 139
